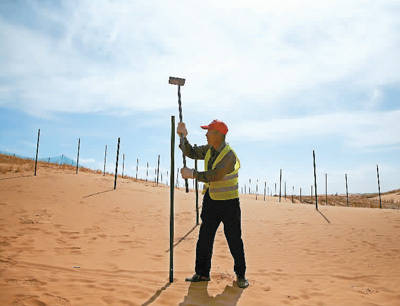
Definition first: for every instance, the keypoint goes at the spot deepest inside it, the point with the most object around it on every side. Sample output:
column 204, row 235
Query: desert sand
column 70, row 239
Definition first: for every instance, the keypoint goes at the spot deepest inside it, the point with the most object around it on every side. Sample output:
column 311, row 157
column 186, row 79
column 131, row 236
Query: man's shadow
column 198, row 295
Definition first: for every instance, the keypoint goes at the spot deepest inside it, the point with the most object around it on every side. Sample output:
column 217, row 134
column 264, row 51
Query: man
column 220, row 201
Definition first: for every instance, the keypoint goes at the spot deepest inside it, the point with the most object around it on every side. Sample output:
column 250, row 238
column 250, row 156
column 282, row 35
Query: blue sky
column 286, row 76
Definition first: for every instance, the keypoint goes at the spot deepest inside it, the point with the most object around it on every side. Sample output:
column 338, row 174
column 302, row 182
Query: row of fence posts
column 313, row 188
column 157, row 176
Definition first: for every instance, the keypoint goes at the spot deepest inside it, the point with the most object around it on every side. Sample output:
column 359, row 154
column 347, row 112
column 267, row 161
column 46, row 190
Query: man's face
column 213, row 137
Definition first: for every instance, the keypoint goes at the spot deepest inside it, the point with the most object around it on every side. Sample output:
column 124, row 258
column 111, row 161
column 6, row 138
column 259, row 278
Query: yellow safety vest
column 228, row 187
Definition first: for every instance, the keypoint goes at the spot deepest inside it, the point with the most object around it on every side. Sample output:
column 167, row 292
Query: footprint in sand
column 365, row 290
column 55, row 300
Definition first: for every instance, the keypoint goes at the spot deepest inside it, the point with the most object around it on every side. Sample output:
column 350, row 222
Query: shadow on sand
column 156, row 295
column 93, row 194
column 183, row 238
column 198, row 295
column 324, row 217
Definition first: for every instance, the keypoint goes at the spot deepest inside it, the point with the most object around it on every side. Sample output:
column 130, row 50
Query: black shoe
column 242, row 282
column 197, row 278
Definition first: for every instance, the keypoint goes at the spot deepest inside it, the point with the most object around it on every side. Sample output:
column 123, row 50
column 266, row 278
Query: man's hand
column 181, row 130
column 187, row 173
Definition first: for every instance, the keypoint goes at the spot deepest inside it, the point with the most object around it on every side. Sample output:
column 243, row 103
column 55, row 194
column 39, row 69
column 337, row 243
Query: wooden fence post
column 315, row 182
column 116, row 166
column 292, row 194
column 37, row 150
column 379, row 187
column 347, row 190
column 77, row 157
column 280, row 184
column 256, row 189
column 105, row 159
column 158, row 168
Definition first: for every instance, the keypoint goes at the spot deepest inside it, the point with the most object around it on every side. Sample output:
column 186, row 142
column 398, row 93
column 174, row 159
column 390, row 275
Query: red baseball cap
column 216, row 125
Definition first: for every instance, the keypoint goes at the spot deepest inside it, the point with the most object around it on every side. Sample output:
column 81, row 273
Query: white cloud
column 117, row 56
column 362, row 129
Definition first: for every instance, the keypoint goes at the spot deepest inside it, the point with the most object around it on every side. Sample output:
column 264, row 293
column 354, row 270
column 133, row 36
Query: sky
column 287, row 77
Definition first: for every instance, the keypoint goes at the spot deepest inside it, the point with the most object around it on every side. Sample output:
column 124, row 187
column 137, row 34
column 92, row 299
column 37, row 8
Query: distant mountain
column 60, row 159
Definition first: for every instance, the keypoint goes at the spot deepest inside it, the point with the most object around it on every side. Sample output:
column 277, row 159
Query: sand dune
column 71, row 239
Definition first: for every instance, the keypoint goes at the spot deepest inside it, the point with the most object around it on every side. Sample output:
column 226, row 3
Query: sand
column 68, row 239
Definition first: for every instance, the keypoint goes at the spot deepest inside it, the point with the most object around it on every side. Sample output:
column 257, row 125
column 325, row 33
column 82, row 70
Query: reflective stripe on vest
column 228, row 187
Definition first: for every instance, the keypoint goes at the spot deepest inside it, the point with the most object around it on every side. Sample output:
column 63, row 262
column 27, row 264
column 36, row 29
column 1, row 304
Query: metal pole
column 105, row 159
column 147, row 171
column 347, row 190
column 197, row 190
column 37, row 150
column 280, row 184
column 116, row 165
column 256, row 189
column 158, row 168
column 181, row 137
column 315, row 182
column 379, row 187
column 171, row 193
column 77, row 157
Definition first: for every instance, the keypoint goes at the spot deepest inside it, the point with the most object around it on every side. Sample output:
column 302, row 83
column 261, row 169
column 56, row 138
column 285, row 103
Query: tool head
column 176, row 81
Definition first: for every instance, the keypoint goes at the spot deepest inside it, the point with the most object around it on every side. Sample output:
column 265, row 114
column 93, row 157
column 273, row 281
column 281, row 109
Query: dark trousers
column 213, row 213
